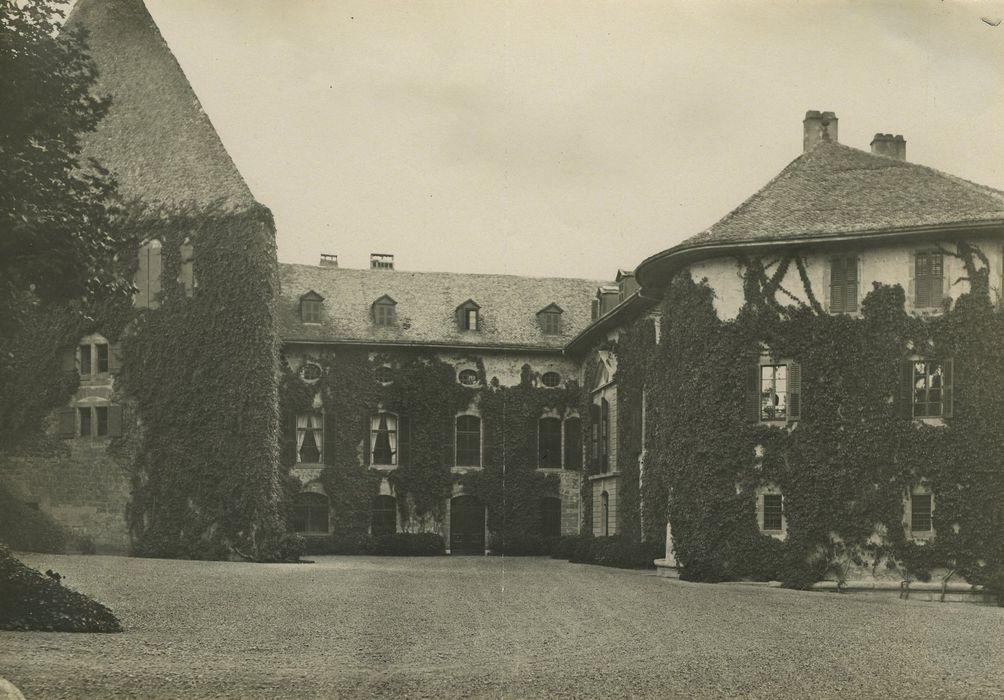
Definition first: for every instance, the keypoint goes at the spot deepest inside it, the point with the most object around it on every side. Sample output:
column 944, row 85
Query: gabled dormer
column 549, row 319
column 310, row 307
column 469, row 316
column 384, row 311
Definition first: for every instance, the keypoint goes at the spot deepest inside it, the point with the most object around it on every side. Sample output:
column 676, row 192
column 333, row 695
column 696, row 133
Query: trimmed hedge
column 522, row 545
column 25, row 529
column 30, row 600
column 617, row 551
column 401, row 544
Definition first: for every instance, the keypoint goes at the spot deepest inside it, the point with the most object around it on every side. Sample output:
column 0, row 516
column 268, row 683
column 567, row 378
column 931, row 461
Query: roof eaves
column 616, row 316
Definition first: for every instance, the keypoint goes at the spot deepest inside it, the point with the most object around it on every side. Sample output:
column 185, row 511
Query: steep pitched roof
column 156, row 138
column 834, row 189
column 427, row 304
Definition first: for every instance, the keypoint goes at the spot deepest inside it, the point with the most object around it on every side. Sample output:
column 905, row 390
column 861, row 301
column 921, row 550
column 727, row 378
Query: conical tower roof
column 156, row 137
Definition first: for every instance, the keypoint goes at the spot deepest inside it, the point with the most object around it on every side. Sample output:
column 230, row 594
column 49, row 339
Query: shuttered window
column 148, row 275
column 772, row 512
column 605, row 434
column 929, row 279
column 310, row 311
column 775, row 390
column 844, row 283
column 927, row 388
column 920, row 513
column 186, row 275
column 468, row 441
column 91, row 421
column 549, row 443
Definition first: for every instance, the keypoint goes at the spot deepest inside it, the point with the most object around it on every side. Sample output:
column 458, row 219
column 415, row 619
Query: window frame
column 384, row 312
column 309, row 509
column 316, row 431
column 551, row 373
column 310, row 311
column 928, row 283
column 793, row 396
column 923, row 491
column 845, row 287
column 946, row 367
column 468, row 452
column 393, row 438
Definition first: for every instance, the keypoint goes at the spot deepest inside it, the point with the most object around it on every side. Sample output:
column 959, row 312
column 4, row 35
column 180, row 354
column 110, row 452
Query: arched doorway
column 467, row 525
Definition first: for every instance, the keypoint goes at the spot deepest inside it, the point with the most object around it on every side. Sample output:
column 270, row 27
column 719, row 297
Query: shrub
column 522, row 545
column 25, row 529
column 616, row 550
column 408, row 544
column 360, row 543
column 30, row 600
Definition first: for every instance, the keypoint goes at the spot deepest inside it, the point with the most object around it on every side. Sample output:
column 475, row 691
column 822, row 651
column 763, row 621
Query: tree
column 58, row 241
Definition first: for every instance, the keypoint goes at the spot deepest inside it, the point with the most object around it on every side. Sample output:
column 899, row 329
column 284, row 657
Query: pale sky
column 566, row 138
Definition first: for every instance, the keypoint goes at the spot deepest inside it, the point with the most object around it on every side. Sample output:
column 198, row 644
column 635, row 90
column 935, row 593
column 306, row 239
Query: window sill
column 933, row 422
column 384, row 467
column 922, row 538
column 456, row 469
column 776, row 534
column 605, row 475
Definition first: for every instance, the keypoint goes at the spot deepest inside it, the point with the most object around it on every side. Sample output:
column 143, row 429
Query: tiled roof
column 834, row 189
column 426, row 307
column 156, row 138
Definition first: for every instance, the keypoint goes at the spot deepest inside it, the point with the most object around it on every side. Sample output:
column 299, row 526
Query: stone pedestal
column 668, row 567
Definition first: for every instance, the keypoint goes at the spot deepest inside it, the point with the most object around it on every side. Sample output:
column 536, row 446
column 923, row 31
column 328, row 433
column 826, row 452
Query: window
column 186, row 275
column 310, row 372
column 551, row 379
column 605, row 514
column 573, row 443
column 384, row 439
column 384, row 374
column 844, row 283
column 549, row 443
column 309, row 437
column 775, row 390
column 929, row 280
column 772, row 504
column 101, row 357
column 594, row 436
column 91, row 421
column 310, row 307
column 468, row 377
column 85, row 360
column 384, row 311
column 94, row 358
column 921, row 508
column 468, row 316
column 605, row 434
column 383, row 516
column 550, row 319
column 310, row 513
column 927, row 388
column 148, row 273
column 468, row 441
column 550, row 517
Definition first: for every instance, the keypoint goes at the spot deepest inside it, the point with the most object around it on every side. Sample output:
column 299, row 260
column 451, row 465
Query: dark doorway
column 550, row 517
column 467, row 525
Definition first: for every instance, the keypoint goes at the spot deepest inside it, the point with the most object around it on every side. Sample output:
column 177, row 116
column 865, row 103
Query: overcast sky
column 566, row 138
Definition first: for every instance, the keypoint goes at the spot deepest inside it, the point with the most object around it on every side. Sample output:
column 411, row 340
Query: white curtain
column 302, row 422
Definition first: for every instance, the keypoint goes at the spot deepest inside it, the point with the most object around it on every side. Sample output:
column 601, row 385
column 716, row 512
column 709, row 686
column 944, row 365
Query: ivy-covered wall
column 845, row 468
column 422, row 388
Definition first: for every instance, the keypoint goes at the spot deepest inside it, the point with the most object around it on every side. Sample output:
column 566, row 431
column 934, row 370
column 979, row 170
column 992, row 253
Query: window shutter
column 947, row 391
column 329, row 436
column 605, row 434
column 449, row 435
column 594, row 432
column 403, row 440
column 67, row 423
column 367, row 445
column 142, row 280
column 114, row 358
column 837, row 280
column 851, row 284
column 155, row 274
column 289, row 437
column 911, row 292
column 794, row 391
column 68, row 359
column 906, row 390
column 114, row 421
column 753, row 392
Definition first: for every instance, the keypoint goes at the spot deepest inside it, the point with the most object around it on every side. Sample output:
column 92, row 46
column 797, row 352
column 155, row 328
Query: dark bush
column 33, row 601
column 616, row 550
column 26, row 529
column 361, row 543
column 409, row 544
column 522, row 545
column 564, row 548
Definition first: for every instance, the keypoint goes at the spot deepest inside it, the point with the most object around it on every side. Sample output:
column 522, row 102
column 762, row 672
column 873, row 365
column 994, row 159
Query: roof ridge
column 441, row 272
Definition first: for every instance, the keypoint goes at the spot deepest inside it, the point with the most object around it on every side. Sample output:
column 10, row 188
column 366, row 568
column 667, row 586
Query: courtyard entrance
column 467, row 525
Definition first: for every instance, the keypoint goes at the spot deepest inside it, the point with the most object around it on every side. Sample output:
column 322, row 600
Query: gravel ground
column 490, row 627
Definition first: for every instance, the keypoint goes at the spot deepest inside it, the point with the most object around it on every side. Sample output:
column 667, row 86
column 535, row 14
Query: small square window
column 550, row 323
column 310, row 311
column 383, row 314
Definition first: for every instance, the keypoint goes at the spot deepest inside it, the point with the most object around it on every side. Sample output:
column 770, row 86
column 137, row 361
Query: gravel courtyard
column 490, row 627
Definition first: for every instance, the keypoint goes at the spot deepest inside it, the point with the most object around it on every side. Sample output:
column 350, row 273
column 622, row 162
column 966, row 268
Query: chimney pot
column 818, row 126
column 889, row 146
column 329, row 260
column 381, row 261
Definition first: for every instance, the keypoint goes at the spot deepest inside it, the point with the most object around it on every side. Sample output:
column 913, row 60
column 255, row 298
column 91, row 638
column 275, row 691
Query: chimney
column 329, row 260
column 818, row 126
column 381, row 261
column 889, row 146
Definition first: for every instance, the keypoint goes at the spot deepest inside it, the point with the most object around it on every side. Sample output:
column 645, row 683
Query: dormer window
column 310, row 307
column 384, row 313
column 550, row 319
column 469, row 316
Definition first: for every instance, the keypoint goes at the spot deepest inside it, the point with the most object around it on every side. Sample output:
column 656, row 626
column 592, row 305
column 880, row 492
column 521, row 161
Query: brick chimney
column 818, row 126
column 889, row 146
column 381, row 261
column 329, row 260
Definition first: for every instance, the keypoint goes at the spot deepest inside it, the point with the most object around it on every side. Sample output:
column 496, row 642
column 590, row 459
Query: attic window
column 469, row 316
column 468, row 377
column 550, row 319
column 551, row 379
column 384, row 311
column 310, row 307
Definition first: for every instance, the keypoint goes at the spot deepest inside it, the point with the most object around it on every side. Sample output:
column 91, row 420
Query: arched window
column 148, row 275
column 549, row 443
column 573, row 443
column 310, row 513
column 383, row 439
column 383, row 516
column 309, row 437
column 550, row 517
column 468, row 441
column 605, row 514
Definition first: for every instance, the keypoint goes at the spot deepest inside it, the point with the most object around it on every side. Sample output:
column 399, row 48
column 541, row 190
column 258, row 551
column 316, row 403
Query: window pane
column 85, row 421
column 549, row 443
column 102, row 415
column 468, row 441
column 85, row 359
column 573, row 443
column 920, row 512
column 773, row 392
column 384, row 439
column 772, row 512
column 102, row 351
